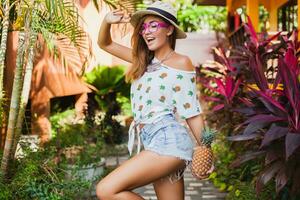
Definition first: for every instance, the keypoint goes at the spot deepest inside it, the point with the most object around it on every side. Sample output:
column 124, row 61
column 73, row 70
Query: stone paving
column 194, row 189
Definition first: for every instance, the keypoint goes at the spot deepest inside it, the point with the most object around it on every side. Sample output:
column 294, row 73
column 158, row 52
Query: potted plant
column 78, row 147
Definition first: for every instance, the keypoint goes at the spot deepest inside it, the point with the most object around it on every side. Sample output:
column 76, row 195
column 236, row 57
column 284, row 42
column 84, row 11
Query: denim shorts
column 170, row 138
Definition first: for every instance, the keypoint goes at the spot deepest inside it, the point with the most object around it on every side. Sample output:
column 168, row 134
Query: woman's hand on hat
column 117, row 16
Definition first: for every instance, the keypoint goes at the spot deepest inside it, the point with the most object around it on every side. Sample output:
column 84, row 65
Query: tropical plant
column 220, row 83
column 224, row 76
column 273, row 113
column 268, row 103
column 246, row 191
column 5, row 24
column 128, row 5
column 110, row 84
column 225, row 177
column 78, row 144
column 55, row 21
column 38, row 176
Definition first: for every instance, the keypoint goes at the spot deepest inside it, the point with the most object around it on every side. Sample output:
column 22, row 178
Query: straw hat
column 162, row 9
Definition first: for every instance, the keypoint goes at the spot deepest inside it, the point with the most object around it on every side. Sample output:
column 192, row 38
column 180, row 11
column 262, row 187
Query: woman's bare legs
column 142, row 169
column 165, row 190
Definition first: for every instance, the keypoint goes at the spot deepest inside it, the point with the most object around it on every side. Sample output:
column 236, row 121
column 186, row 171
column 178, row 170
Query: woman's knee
column 104, row 191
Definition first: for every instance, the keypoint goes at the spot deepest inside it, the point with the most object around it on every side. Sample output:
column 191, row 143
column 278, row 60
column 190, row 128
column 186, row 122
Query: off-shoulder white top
column 162, row 91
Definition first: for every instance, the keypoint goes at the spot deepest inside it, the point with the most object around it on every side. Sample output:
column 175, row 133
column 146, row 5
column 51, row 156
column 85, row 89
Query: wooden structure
column 49, row 80
column 281, row 12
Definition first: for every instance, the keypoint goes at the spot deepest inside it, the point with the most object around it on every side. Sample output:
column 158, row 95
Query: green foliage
column 111, row 91
column 109, row 81
column 42, row 174
column 225, row 177
column 5, row 193
column 246, row 191
column 125, row 105
column 192, row 17
column 37, row 176
column 264, row 16
column 128, row 5
column 78, row 143
column 58, row 119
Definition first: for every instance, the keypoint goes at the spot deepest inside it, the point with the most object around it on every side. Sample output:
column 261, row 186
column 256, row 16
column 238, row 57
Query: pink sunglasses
column 152, row 27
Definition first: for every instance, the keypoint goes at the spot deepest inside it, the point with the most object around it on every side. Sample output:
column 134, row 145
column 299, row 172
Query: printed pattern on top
column 165, row 91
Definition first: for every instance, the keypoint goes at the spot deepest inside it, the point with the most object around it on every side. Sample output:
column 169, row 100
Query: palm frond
column 129, row 5
column 59, row 25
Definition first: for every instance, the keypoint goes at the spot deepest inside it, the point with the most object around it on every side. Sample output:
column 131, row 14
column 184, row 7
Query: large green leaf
column 110, row 82
column 106, row 79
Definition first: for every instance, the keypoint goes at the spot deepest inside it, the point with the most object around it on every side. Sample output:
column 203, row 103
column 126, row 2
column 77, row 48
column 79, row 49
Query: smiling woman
column 163, row 88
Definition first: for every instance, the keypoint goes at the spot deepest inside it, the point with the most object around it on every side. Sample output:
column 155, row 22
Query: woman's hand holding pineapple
column 202, row 165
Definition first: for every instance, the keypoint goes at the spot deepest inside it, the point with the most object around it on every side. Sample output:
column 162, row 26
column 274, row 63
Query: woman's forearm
column 104, row 37
column 196, row 125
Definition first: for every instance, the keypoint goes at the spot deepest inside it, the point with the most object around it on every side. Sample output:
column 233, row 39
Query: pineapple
column 203, row 155
column 208, row 135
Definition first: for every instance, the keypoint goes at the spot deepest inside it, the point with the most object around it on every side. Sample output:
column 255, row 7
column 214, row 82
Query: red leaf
column 237, row 84
column 221, row 87
column 266, row 42
column 272, row 155
column 263, row 118
column 246, row 157
column 255, row 126
column 246, row 111
column 292, row 142
column 291, row 60
column 246, row 101
column 252, row 32
column 289, row 79
column 273, row 133
column 267, row 174
column 209, row 98
column 270, row 103
column 256, row 68
column 218, row 107
column 281, row 179
column 229, row 82
column 243, row 137
column 291, row 86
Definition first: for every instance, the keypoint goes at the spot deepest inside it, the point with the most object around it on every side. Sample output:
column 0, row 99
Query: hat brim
column 135, row 18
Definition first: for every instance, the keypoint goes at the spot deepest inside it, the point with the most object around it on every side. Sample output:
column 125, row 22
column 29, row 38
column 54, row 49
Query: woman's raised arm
column 104, row 38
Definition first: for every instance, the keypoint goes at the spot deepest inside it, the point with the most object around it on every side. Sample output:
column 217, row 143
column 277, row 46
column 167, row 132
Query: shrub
column 269, row 101
column 37, row 176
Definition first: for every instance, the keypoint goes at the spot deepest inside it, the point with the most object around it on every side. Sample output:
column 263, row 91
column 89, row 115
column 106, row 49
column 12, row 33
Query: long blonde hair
column 141, row 55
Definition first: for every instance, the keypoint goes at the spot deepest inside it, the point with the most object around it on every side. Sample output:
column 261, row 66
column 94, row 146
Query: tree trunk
column 25, row 91
column 5, row 24
column 15, row 102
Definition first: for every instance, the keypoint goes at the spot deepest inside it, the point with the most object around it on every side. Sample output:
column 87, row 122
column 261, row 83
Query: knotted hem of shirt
column 134, row 129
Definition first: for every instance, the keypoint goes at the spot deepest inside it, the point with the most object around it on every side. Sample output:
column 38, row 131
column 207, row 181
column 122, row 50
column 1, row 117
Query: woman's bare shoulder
column 181, row 62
